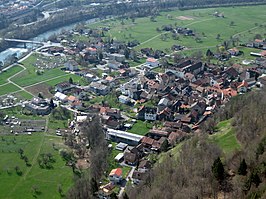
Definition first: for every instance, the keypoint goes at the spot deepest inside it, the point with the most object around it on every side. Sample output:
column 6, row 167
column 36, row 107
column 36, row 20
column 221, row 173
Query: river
column 19, row 50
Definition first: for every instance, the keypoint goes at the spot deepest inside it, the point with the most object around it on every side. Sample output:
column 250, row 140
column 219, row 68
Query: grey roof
column 125, row 135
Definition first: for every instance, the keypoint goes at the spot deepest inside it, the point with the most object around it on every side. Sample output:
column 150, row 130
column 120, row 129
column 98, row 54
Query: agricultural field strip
column 256, row 27
column 24, row 88
column 195, row 22
column 9, row 81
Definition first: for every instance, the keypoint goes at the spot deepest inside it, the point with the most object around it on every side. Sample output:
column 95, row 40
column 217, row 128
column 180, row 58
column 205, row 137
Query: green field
column 206, row 26
column 29, row 76
column 13, row 185
column 225, row 137
column 8, row 73
column 8, row 88
column 140, row 127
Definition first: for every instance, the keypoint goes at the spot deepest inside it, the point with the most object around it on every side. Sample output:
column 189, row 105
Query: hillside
column 191, row 174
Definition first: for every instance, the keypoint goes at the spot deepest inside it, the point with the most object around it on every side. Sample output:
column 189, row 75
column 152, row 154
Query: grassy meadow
column 15, row 184
column 225, row 137
column 241, row 22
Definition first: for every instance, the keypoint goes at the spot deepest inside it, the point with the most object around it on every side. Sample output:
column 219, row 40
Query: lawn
column 47, row 181
column 23, row 95
column 140, row 127
column 225, row 137
column 8, row 88
column 4, row 75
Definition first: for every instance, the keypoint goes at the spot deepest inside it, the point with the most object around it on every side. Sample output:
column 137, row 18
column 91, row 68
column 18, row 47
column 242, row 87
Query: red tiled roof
column 117, row 172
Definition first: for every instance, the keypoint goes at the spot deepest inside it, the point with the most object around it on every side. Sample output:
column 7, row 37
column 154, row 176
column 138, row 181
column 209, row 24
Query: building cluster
column 15, row 8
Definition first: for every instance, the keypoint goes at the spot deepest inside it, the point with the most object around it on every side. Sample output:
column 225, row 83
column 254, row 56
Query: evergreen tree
column 70, row 80
column 52, row 103
column 125, row 196
column 242, row 170
column 94, row 185
column 218, row 169
column 255, row 178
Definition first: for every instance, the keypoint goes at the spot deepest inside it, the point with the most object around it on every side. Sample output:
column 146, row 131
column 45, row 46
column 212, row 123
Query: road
column 122, row 189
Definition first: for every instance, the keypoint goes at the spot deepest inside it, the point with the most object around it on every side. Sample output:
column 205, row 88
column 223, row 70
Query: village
column 148, row 100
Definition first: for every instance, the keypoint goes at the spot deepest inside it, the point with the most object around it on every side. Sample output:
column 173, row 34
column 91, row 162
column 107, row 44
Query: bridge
column 24, row 41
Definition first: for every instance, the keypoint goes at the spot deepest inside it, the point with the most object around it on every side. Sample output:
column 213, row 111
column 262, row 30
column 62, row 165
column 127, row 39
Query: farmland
column 13, row 184
column 241, row 22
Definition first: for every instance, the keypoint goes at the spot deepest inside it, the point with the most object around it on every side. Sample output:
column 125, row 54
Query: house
column 115, row 176
column 234, row 52
column 138, row 176
column 60, row 96
column 113, row 64
column 243, row 86
column 194, row 68
column 117, row 57
column 160, row 145
column 147, row 142
column 119, row 157
column 151, row 62
column 121, row 146
column 113, row 112
column 98, row 88
column 124, row 99
column 133, row 154
column 71, row 65
column 61, row 87
column 144, row 165
column 130, row 158
column 147, row 113
column 38, row 106
column 163, row 103
column 157, row 134
column 106, row 190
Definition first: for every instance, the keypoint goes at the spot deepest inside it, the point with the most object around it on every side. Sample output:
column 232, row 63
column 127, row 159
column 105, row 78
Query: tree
column 218, row 169
column 242, row 170
column 21, row 152
column 94, row 185
column 255, row 178
column 60, row 190
column 125, row 196
column 40, row 95
column 218, row 36
column 52, row 105
column 70, row 80
column 18, row 171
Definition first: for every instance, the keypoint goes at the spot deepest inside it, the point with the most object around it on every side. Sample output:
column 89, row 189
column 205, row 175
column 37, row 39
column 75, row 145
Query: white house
column 113, row 64
column 60, row 96
column 115, row 175
column 117, row 57
column 152, row 63
column 123, row 99
column 71, row 65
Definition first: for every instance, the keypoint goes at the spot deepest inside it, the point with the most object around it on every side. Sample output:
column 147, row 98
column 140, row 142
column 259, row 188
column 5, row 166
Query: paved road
column 120, row 195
